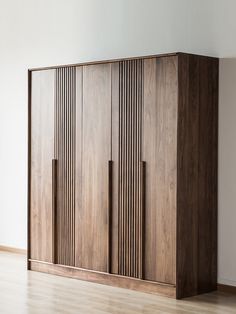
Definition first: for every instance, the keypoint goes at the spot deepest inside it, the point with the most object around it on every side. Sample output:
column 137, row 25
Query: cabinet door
column 65, row 144
column 159, row 152
column 42, row 128
column 93, row 140
column 127, row 198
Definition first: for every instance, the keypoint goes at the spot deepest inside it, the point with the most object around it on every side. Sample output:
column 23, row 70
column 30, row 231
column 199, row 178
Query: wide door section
column 159, row 148
column 144, row 127
column 93, row 158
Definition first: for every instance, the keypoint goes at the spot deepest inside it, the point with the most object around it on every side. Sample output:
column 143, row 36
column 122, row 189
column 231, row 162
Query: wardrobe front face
column 103, row 167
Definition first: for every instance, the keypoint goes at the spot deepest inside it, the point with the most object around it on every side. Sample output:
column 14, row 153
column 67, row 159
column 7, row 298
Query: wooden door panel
column 94, row 121
column 65, row 119
column 42, row 129
column 159, row 152
column 127, row 209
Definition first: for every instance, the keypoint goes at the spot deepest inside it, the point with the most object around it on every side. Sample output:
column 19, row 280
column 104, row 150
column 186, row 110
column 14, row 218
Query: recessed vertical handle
column 109, row 215
column 142, row 218
column 54, row 211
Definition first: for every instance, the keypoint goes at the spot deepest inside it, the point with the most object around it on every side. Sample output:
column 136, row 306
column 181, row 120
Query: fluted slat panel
column 130, row 193
column 65, row 106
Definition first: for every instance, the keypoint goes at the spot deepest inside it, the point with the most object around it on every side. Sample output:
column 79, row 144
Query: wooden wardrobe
column 122, row 185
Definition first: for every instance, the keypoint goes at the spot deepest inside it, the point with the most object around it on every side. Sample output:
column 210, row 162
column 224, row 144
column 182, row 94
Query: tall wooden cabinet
column 122, row 185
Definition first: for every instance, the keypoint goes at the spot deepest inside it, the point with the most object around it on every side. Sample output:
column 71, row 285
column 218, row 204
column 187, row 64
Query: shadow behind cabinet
column 123, row 173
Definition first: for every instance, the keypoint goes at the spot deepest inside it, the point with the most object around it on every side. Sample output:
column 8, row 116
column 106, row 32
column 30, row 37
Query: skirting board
column 104, row 278
column 226, row 288
column 12, row 250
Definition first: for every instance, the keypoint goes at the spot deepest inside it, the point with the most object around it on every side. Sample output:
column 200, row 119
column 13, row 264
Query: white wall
column 37, row 33
column 47, row 32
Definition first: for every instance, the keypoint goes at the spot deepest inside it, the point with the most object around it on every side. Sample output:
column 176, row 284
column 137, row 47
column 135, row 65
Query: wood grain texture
column 105, row 278
column 160, row 154
column 127, row 134
column 132, row 190
column 42, row 143
column 208, row 166
column 64, row 153
column 103, row 61
column 115, row 167
column 78, row 164
column 92, row 220
column 197, row 175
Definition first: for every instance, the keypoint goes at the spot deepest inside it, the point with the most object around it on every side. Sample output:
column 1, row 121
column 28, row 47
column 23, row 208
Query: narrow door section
column 128, row 187
column 64, row 152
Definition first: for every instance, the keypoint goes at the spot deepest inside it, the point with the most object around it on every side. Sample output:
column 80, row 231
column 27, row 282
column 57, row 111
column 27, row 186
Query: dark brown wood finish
column 64, row 152
column 42, row 143
column 197, row 175
column 128, row 194
column 105, row 278
column 92, row 212
column 226, row 288
column 159, row 152
column 102, row 62
column 109, row 215
column 123, row 172
column 29, row 172
column 78, row 162
column 207, row 184
column 115, row 168
column 54, row 211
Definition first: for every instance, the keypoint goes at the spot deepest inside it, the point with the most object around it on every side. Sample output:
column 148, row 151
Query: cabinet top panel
column 114, row 60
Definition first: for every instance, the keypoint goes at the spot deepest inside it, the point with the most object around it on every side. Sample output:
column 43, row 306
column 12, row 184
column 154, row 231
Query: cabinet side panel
column 207, row 185
column 197, row 175
column 42, row 144
column 160, row 154
column 187, row 193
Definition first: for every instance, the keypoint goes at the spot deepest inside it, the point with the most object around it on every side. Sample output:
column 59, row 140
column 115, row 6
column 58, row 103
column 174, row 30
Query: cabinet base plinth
column 104, row 278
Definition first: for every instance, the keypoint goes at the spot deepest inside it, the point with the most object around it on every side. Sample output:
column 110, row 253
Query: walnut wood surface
column 64, row 152
column 197, row 175
column 42, row 134
column 159, row 152
column 135, row 143
column 92, row 220
column 105, row 278
column 129, row 189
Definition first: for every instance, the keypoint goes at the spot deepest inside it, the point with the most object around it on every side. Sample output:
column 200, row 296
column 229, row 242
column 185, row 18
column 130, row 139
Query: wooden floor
column 30, row 292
